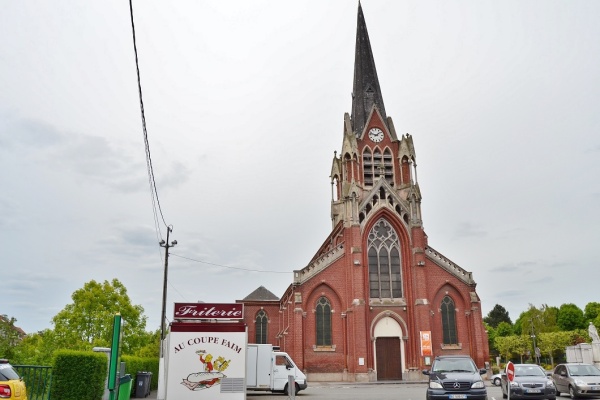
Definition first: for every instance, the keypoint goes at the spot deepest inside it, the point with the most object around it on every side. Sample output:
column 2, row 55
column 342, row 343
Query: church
column 376, row 302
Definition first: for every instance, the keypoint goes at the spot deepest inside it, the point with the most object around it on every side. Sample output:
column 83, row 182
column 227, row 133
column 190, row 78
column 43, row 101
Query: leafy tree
column 508, row 346
column 570, row 317
column 10, row 336
column 36, row 349
column 497, row 315
column 88, row 321
column 554, row 343
column 591, row 311
column 504, row 329
column 549, row 316
column 491, row 335
column 149, row 346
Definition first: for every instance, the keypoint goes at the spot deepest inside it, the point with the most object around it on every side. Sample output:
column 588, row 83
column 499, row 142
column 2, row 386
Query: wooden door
column 388, row 358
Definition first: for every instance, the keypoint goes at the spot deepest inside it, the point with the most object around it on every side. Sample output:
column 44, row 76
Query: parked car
column 496, row 378
column 577, row 379
column 11, row 385
column 455, row 377
column 529, row 382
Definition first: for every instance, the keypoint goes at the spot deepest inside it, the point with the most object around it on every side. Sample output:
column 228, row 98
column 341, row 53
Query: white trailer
column 268, row 369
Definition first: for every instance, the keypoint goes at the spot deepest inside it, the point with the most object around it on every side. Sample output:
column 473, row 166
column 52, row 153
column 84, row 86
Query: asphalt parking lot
column 358, row 391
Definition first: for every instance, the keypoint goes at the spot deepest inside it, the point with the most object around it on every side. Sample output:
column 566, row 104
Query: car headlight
column 478, row 385
column 550, row 384
column 514, row 384
column 579, row 382
column 435, row 385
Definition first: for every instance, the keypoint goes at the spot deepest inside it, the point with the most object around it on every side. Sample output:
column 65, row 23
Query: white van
column 268, row 369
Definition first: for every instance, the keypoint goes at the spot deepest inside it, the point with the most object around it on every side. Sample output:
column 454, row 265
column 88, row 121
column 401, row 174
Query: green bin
column 125, row 387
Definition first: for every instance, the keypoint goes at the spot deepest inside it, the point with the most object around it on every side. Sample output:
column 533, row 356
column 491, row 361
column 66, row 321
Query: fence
column 37, row 379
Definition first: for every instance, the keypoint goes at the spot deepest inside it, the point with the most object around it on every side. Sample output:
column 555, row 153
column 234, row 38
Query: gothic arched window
column 261, row 327
column 448, row 312
column 385, row 269
column 323, row 315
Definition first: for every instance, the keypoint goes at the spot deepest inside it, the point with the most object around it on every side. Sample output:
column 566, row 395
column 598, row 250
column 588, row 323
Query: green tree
column 10, row 336
column 591, row 311
column 509, row 346
column 88, row 321
column 554, row 343
column 549, row 316
column 497, row 315
column 149, row 345
column 36, row 349
column 570, row 317
column 504, row 329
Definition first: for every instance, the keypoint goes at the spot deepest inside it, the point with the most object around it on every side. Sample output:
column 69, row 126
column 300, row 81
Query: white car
column 495, row 379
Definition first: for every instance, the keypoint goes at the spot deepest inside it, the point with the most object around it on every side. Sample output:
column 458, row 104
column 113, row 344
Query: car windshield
column 583, row 370
column 454, row 365
column 533, row 370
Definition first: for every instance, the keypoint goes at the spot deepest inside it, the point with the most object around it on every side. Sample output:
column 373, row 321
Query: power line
column 151, row 180
column 230, row 267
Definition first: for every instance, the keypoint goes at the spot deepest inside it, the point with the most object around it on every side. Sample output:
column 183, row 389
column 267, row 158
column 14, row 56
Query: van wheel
column 296, row 387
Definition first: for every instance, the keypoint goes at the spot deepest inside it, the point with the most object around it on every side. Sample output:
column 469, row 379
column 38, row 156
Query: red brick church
column 376, row 302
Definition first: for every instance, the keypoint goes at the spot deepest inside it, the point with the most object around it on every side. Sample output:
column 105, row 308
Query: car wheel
column 497, row 382
column 296, row 389
column 572, row 393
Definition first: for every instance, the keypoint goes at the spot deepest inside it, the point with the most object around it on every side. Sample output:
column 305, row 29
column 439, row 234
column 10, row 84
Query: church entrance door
column 388, row 358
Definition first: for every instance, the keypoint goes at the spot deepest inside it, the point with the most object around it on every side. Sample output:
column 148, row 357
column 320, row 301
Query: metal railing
column 37, row 379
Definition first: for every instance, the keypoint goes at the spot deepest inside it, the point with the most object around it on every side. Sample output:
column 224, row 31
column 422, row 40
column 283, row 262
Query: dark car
column 577, row 379
column 529, row 382
column 455, row 377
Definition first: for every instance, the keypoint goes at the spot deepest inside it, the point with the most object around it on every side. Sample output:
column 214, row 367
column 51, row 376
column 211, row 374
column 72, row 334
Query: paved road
column 358, row 391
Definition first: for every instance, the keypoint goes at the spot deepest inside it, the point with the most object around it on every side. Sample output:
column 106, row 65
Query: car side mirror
column 563, row 373
column 482, row 371
column 425, row 372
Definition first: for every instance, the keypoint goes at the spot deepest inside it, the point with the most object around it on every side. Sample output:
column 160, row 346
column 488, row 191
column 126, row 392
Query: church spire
column 366, row 91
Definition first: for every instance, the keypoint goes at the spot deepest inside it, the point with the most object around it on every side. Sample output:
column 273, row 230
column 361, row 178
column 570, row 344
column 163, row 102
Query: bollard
column 291, row 387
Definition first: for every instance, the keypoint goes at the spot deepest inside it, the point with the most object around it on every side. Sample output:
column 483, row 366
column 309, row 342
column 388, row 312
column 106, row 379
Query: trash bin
column 125, row 387
column 142, row 384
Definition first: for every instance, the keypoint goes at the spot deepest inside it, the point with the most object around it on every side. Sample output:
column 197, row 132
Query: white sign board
column 206, row 361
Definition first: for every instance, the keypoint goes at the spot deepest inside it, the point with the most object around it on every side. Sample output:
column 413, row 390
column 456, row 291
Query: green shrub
column 78, row 375
column 135, row 364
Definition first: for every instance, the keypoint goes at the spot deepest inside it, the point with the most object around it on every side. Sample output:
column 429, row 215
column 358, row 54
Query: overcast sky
column 244, row 104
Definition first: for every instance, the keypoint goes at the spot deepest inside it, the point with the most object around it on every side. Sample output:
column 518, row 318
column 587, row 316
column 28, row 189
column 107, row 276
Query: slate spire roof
column 365, row 91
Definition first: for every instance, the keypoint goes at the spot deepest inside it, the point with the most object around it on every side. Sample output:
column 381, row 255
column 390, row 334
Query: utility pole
column 166, row 245
column 535, row 349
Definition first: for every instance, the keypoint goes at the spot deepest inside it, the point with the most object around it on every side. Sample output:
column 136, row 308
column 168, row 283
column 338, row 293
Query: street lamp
column 166, row 245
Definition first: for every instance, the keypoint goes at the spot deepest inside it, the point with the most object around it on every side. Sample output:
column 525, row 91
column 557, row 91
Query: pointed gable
column 261, row 294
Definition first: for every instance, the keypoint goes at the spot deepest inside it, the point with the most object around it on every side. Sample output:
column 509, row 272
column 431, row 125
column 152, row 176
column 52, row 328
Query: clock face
column 376, row 135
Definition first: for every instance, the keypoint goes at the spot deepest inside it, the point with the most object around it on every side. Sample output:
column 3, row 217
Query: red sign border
column 208, row 311
column 510, row 371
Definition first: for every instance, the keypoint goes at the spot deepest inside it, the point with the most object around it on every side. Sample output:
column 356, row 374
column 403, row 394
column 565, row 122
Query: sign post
column 115, row 354
column 510, row 376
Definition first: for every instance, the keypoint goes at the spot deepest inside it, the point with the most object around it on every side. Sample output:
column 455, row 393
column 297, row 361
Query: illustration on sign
column 210, row 374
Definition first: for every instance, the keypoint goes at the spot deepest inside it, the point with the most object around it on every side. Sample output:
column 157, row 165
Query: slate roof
column 365, row 91
column 261, row 294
